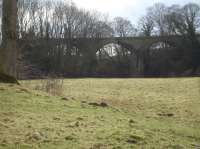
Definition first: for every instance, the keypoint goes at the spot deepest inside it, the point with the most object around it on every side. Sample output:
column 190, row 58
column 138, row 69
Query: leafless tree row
column 60, row 20
column 65, row 20
column 42, row 21
column 173, row 20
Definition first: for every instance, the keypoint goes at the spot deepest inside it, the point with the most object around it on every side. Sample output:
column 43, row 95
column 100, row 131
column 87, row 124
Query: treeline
column 41, row 21
column 62, row 20
column 174, row 20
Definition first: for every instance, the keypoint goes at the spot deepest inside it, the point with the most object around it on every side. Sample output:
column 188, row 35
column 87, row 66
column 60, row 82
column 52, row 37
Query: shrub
column 51, row 85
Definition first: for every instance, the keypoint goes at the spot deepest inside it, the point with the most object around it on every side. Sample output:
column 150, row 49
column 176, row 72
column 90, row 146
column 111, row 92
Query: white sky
column 131, row 9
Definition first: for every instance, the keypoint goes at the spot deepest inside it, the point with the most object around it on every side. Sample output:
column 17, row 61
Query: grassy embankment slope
column 141, row 113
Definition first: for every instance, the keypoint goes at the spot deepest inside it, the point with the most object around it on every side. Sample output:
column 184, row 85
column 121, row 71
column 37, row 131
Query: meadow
column 102, row 114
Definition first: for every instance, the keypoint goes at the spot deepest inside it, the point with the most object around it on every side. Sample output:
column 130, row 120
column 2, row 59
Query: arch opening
column 115, row 59
column 161, row 57
column 112, row 50
column 157, row 46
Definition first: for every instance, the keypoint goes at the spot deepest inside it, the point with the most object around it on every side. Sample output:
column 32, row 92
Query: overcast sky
column 131, row 9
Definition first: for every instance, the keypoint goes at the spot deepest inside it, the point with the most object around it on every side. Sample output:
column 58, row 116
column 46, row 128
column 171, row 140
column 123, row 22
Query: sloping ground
column 139, row 113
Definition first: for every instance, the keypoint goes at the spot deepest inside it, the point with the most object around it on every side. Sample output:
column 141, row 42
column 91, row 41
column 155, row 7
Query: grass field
column 135, row 114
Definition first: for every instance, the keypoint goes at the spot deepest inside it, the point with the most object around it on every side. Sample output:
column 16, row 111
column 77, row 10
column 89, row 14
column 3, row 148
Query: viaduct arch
column 139, row 46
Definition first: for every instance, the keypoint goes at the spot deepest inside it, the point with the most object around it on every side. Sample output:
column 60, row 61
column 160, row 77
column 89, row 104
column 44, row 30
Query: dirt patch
column 24, row 90
column 56, row 118
column 74, row 124
column 98, row 146
column 2, row 89
column 80, row 118
column 102, row 104
column 36, row 136
column 166, row 114
column 132, row 121
column 64, row 98
column 69, row 138
column 133, row 139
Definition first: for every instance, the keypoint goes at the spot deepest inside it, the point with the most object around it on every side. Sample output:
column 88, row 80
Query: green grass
column 141, row 114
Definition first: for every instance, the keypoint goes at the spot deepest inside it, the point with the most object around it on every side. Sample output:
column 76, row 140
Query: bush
column 51, row 85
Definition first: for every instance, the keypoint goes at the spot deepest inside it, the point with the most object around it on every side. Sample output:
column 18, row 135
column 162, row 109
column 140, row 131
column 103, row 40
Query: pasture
column 102, row 114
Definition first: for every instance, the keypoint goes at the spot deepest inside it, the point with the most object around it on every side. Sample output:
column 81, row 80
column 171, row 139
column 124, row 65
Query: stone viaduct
column 137, row 46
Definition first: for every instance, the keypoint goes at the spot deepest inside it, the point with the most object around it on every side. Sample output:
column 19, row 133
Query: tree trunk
column 8, row 50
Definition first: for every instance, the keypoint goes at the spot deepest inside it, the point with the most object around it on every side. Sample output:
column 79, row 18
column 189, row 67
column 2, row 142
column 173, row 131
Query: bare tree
column 146, row 25
column 123, row 27
column 157, row 12
column 185, row 21
column 173, row 14
column 191, row 16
